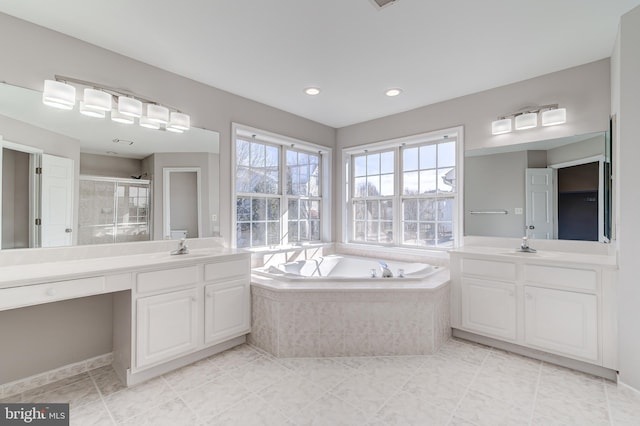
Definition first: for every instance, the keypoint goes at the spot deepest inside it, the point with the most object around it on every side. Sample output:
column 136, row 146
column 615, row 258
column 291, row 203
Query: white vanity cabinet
column 563, row 308
column 166, row 326
column 561, row 321
column 182, row 314
column 227, row 305
column 489, row 307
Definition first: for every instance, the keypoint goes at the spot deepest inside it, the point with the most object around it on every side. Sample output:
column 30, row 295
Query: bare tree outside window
column 264, row 194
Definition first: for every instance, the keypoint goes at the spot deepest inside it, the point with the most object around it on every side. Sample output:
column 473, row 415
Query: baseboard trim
column 585, row 367
column 69, row 370
column 134, row 378
column 626, row 386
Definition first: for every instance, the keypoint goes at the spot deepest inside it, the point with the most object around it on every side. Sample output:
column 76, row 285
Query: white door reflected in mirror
column 181, row 199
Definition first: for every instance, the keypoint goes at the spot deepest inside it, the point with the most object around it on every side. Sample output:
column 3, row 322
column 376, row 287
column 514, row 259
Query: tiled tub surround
column 461, row 384
column 329, row 319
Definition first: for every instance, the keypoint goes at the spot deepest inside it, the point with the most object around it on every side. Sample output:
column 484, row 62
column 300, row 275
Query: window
column 373, row 194
column 404, row 192
column 277, row 191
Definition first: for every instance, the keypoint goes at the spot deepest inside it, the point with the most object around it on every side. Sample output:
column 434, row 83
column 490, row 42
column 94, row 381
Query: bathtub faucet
column 386, row 272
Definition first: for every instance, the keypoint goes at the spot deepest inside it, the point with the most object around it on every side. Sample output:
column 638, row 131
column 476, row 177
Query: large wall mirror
column 550, row 189
column 71, row 179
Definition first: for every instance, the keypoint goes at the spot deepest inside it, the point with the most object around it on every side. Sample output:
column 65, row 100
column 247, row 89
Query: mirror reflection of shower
column 114, row 210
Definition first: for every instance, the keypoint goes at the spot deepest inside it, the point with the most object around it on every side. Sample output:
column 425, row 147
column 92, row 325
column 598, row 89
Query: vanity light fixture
column 90, row 111
column 526, row 121
column 118, row 117
column 129, row 106
column 98, row 99
column 552, row 117
column 527, row 118
column 499, row 127
column 157, row 113
column 148, row 124
column 312, row 91
column 178, row 122
column 58, row 94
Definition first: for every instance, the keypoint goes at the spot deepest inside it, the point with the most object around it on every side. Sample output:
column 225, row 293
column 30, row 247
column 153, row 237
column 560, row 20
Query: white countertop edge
column 32, row 274
column 541, row 256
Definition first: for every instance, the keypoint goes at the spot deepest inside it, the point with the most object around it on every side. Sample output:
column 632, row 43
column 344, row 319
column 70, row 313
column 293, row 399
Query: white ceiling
column 270, row 51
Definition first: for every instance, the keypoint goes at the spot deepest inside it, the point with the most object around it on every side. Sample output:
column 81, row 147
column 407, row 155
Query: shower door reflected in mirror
column 113, row 210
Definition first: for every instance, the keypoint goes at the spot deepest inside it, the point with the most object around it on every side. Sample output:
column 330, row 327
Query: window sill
column 436, row 253
column 290, row 247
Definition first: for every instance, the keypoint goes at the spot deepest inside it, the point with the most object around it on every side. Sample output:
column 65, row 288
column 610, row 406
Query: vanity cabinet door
column 489, row 307
column 166, row 326
column 227, row 310
column 564, row 322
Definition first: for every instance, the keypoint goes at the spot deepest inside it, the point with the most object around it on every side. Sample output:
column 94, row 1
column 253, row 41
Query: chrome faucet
column 182, row 248
column 386, row 272
column 525, row 246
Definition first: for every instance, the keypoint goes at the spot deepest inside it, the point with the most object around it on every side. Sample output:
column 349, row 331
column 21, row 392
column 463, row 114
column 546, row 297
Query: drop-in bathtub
column 346, row 268
column 331, row 306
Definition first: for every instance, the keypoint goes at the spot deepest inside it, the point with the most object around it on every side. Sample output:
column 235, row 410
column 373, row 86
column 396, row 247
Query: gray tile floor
column 463, row 384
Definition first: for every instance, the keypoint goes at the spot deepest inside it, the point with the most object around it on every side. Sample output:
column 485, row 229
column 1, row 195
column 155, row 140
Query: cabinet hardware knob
column 208, row 294
column 51, row 292
column 529, row 296
column 193, row 299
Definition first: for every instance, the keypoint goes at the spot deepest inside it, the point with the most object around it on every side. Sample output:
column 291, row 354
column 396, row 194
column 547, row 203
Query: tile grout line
column 535, row 394
column 397, row 392
column 102, row 398
column 466, row 391
column 609, row 410
column 166, row 382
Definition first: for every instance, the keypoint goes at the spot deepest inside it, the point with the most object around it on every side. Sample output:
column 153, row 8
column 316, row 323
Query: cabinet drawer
column 581, row 279
column 232, row 268
column 489, row 269
column 16, row 297
column 167, row 278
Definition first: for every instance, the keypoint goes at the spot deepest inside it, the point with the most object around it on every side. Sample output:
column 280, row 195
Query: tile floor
column 464, row 384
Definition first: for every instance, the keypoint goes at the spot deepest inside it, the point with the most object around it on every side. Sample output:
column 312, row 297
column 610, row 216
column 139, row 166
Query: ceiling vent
column 379, row 4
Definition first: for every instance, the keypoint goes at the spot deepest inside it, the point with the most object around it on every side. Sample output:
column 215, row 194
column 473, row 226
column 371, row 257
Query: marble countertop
column 540, row 256
column 37, row 273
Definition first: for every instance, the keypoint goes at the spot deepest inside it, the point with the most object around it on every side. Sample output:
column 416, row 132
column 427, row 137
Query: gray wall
column 576, row 151
column 626, row 106
column 15, row 199
column 583, row 90
column 41, row 54
column 498, row 184
column 107, row 165
column 44, row 337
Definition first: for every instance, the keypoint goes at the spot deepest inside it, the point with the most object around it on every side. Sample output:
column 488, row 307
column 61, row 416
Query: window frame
column 284, row 144
column 398, row 145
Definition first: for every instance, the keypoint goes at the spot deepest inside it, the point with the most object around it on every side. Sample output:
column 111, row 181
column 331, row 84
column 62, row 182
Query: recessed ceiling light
column 312, row 91
column 393, row 92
